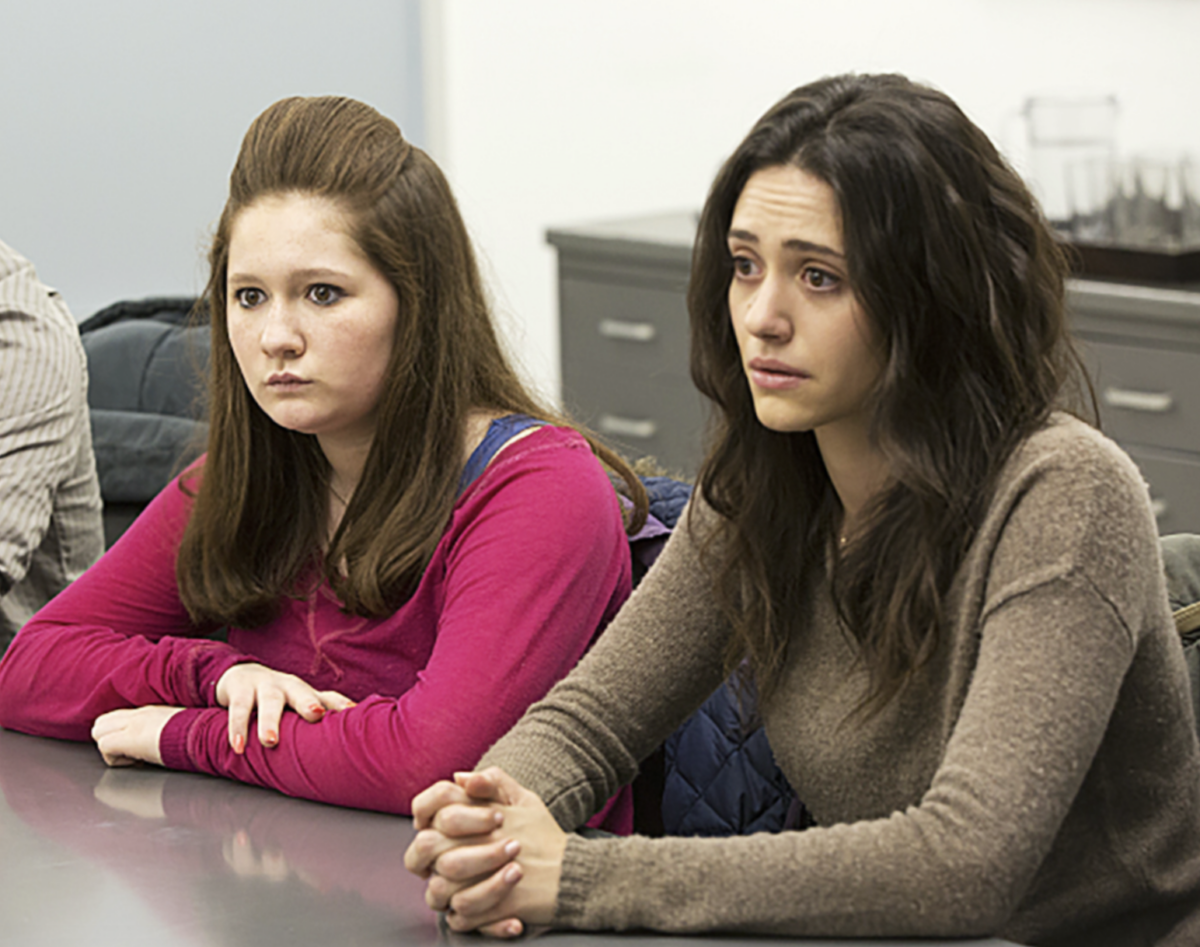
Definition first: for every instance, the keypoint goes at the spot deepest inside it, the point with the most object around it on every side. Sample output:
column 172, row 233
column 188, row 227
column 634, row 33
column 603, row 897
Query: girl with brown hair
column 384, row 515
column 948, row 591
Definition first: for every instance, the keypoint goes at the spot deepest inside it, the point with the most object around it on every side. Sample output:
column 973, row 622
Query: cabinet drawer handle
column 1159, row 507
column 626, row 427
column 627, row 331
column 1152, row 402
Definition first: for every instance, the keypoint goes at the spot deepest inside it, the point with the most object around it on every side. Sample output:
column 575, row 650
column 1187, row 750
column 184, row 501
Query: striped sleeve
column 43, row 416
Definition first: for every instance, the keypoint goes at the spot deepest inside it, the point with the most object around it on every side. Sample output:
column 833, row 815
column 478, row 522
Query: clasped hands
column 491, row 851
column 132, row 735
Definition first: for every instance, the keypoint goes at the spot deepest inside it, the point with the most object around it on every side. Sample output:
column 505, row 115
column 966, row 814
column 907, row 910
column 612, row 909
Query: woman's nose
column 769, row 313
column 281, row 334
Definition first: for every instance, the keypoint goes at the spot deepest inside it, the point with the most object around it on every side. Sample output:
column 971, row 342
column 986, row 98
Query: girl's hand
column 125, row 737
column 246, row 688
column 491, row 851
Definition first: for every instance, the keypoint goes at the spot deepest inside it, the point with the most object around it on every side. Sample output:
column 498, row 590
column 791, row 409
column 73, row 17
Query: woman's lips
column 285, row 381
column 768, row 373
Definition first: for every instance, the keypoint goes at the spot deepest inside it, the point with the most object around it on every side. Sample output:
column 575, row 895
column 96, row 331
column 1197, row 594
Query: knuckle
column 470, row 901
column 456, row 817
column 426, row 844
column 452, row 865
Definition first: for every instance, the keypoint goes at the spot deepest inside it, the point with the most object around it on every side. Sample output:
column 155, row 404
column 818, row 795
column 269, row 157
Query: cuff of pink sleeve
column 172, row 742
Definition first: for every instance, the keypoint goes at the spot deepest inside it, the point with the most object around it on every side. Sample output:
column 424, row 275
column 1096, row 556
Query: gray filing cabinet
column 624, row 332
column 1142, row 345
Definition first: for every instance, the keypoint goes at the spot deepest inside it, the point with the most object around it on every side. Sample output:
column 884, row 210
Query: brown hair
column 261, row 508
column 963, row 283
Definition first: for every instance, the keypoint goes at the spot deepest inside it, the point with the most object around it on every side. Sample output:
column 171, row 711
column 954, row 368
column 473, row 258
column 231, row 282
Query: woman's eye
column 820, row 279
column 249, row 298
column 324, row 295
column 744, row 267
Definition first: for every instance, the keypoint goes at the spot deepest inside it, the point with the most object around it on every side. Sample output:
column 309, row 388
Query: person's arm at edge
column 42, row 398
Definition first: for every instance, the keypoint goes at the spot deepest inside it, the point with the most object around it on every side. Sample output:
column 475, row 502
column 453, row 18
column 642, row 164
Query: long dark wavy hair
column 261, row 508
column 962, row 280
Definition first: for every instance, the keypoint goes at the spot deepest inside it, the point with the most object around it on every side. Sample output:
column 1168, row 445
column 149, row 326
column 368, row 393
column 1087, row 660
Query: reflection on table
column 143, row 856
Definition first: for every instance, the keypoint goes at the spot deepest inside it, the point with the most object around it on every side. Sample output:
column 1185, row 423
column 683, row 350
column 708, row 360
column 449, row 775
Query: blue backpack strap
column 667, row 497
column 499, row 433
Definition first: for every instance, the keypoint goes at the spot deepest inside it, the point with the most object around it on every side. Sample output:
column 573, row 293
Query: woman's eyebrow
column 804, row 246
column 317, row 272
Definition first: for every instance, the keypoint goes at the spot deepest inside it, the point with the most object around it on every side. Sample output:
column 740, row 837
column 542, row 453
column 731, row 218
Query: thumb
column 492, row 785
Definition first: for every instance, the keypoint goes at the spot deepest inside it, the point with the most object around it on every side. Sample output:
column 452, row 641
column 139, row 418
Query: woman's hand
column 246, row 688
column 491, row 851
column 125, row 737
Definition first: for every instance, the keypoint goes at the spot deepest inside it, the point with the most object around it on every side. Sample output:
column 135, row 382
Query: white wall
column 120, row 121
column 551, row 112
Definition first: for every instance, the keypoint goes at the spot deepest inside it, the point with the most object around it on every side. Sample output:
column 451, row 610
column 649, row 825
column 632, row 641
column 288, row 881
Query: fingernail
column 272, row 738
column 498, row 818
column 239, row 744
column 316, row 709
column 513, row 874
column 513, row 929
column 512, row 848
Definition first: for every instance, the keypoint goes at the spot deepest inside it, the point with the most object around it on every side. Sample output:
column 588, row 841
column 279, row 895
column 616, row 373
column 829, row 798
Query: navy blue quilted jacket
column 720, row 776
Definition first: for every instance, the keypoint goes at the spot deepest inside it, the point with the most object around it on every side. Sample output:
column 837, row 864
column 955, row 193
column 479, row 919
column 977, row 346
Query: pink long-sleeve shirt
column 533, row 564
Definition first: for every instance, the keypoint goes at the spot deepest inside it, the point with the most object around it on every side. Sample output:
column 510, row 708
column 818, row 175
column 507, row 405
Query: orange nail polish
column 239, row 744
column 316, row 709
column 272, row 738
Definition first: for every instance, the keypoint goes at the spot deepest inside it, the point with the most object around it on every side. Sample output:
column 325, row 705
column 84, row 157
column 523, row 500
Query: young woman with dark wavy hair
column 947, row 590
column 384, row 514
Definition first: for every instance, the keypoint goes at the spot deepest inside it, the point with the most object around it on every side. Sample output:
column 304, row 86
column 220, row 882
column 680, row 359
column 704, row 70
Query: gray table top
column 143, row 857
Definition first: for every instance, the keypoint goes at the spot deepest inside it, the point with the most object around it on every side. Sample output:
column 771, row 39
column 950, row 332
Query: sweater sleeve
column 116, row 637
column 954, row 865
column 536, row 568
column 658, row 661
column 1056, row 638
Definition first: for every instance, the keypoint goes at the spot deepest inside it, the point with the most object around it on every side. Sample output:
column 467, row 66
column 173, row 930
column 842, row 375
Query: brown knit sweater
column 1040, row 781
